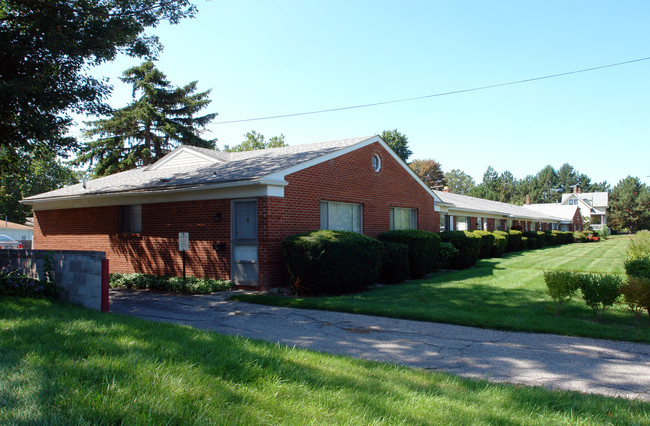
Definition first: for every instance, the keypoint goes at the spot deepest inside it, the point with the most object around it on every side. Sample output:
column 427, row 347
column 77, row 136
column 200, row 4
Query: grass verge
column 507, row 293
column 61, row 364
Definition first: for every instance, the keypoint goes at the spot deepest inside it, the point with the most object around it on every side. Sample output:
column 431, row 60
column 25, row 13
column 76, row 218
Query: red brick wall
column 349, row 178
column 155, row 250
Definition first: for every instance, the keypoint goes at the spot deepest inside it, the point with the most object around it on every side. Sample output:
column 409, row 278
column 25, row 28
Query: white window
column 461, row 223
column 401, row 218
column 376, row 162
column 340, row 216
column 131, row 219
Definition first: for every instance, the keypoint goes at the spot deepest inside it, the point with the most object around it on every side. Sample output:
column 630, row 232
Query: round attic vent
column 376, row 162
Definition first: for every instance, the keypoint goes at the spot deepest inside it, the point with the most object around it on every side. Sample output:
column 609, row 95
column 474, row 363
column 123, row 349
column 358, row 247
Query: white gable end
column 183, row 158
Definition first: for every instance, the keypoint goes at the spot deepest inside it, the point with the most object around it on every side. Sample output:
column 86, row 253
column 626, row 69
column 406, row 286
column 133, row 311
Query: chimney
column 527, row 199
column 579, row 190
column 575, row 189
column 445, row 189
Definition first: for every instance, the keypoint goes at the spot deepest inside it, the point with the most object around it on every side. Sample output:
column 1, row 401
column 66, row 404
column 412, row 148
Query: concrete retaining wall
column 82, row 274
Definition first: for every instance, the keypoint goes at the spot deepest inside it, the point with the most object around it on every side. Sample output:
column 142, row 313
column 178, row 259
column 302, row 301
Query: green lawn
column 507, row 293
column 61, row 364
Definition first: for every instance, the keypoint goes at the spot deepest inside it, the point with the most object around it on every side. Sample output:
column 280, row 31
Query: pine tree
column 159, row 120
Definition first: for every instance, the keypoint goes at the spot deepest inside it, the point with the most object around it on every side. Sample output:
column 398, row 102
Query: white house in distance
column 593, row 205
column 20, row 233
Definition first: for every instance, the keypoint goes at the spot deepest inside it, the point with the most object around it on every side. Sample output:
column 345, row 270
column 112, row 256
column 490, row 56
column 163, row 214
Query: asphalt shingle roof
column 228, row 167
column 488, row 206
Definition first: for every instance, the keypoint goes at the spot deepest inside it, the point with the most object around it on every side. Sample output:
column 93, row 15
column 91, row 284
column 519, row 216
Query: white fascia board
column 249, row 189
column 482, row 213
column 282, row 173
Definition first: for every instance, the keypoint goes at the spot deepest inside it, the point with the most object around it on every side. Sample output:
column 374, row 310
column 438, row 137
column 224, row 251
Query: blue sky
column 270, row 58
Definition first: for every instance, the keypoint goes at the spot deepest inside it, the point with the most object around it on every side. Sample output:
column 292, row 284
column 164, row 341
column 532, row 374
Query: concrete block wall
column 80, row 273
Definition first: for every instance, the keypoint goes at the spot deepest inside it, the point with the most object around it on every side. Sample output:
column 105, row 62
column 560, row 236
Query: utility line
column 435, row 95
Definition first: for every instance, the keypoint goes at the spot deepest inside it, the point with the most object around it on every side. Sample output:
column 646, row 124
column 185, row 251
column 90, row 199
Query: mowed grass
column 507, row 293
column 61, row 364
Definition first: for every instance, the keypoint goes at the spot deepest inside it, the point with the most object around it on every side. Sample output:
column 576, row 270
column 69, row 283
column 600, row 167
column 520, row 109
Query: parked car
column 9, row 243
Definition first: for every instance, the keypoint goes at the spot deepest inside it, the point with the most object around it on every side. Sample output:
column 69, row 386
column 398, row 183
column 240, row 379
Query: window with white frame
column 340, row 216
column 402, row 218
column 131, row 219
column 461, row 223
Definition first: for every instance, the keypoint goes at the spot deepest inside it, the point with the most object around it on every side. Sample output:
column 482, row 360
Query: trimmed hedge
column 446, row 254
column 499, row 247
column 487, row 242
column 551, row 239
column 504, row 234
column 193, row 285
column 331, row 262
column 514, row 240
column 468, row 246
column 531, row 243
column 423, row 249
column 394, row 263
column 538, row 235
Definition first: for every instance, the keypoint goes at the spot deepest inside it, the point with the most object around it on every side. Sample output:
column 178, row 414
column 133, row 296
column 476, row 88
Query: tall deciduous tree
column 47, row 49
column 41, row 172
column 630, row 205
column 255, row 140
column 459, row 182
column 398, row 142
column 430, row 172
column 161, row 118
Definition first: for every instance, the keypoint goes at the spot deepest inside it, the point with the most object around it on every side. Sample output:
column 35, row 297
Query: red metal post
column 104, row 285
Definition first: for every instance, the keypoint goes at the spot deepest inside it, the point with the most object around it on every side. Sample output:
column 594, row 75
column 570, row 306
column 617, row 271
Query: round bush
column 331, row 262
column 514, row 240
column 423, row 248
column 487, row 242
column 468, row 246
column 499, row 247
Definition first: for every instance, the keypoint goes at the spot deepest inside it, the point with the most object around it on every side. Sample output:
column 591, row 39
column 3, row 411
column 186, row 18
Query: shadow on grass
column 91, row 367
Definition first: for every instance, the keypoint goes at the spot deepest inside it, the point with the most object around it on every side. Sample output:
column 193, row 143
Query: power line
column 435, row 95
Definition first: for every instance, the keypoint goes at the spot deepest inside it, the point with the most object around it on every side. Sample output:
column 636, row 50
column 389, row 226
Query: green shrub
column 603, row 233
column 394, row 263
column 423, row 249
column 468, row 246
column 560, row 237
column 16, row 282
column 524, row 243
column 446, row 255
column 636, row 294
column 579, row 237
column 561, row 286
column 639, row 246
column 539, row 236
column 331, row 262
column 600, row 291
column 504, row 234
column 487, row 242
column 499, row 247
column 532, row 243
column 638, row 267
column 514, row 240
column 568, row 237
column 193, row 285
column 551, row 240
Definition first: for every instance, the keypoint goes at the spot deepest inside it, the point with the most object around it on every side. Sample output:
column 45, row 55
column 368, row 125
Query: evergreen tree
column 159, row 120
column 630, row 205
column 398, row 142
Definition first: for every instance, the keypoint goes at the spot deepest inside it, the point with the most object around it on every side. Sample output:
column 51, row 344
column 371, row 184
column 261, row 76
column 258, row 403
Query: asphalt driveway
column 617, row 369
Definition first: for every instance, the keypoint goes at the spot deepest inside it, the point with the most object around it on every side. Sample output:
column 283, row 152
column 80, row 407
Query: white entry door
column 245, row 267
